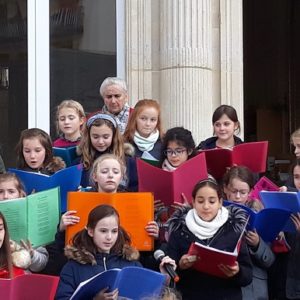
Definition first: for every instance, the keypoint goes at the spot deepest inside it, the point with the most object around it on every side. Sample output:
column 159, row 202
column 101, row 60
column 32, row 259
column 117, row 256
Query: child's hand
column 282, row 188
column 158, row 204
column 167, row 260
column 187, row 261
column 252, row 238
column 230, row 271
column 27, row 245
column 296, row 220
column 68, row 219
column 102, row 295
column 152, row 229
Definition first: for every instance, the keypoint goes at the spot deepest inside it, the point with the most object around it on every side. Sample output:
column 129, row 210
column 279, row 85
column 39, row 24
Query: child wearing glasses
column 178, row 146
column 238, row 182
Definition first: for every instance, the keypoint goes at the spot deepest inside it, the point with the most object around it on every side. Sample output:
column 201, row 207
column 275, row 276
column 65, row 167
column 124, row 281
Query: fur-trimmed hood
column 129, row 149
column 238, row 217
column 83, row 256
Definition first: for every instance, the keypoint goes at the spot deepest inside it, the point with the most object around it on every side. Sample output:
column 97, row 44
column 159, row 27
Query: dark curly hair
column 182, row 137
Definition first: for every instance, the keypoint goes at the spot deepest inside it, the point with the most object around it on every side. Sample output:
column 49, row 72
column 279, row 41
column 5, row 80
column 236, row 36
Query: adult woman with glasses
column 178, row 146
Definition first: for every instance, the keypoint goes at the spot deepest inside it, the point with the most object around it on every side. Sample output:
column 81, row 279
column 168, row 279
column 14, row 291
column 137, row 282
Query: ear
column 236, row 126
column 94, row 178
column 221, row 202
column 90, row 232
column 190, row 152
column 82, row 119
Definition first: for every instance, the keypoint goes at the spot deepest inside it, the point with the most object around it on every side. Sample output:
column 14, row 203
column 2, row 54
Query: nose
column 113, row 99
column 238, row 194
column 110, row 174
column 32, row 154
column 5, row 195
column 108, row 236
column 206, row 205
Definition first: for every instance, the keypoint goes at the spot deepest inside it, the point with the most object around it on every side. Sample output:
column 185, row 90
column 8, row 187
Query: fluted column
column 188, row 54
column 231, row 53
column 186, row 64
column 140, row 49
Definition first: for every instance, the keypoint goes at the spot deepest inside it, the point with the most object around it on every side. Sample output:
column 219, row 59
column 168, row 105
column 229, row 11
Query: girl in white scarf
column 144, row 129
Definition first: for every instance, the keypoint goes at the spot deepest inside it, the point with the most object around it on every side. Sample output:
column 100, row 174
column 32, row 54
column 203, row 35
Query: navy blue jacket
column 210, row 143
column 73, row 273
column 155, row 152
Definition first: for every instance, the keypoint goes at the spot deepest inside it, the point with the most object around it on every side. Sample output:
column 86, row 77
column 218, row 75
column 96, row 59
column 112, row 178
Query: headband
column 93, row 118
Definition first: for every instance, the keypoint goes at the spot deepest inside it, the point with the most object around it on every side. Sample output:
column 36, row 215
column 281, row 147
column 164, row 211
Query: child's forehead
column 296, row 141
column 8, row 182
column 109, row 161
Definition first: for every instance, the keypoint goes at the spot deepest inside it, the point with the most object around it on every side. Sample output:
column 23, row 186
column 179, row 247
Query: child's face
column 147, row 121
column 105, row 233
column 101, row 137
column 296, row 143
column 2, row 232
column 108, row 175
column 69, row 122
column 296, row 175
column 34, row 153
column 176, row 154
column 8, row 190
column 224, row 128
column 207, row 203
column 237, row 191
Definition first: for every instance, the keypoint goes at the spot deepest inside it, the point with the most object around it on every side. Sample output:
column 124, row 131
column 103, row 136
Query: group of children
column 109, row 166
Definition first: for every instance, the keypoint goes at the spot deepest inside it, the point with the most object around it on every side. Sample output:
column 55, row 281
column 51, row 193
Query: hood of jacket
column 83, row 256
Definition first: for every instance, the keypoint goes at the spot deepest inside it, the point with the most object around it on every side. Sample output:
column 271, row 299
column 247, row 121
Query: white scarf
column 146, row 144
column 167, row 166
column 202, row 229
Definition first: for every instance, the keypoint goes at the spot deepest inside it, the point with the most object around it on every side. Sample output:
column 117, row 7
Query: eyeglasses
column 170, row 152
column 243, row 193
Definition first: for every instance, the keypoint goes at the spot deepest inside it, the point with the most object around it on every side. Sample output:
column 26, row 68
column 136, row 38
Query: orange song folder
column 29, row 287
column 168, row 186
column 252, row 155
column 135, row 210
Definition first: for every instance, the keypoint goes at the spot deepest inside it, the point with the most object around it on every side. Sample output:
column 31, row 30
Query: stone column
column 186, row 65
column 142, row 36
column 231, row 53
column 187, row 54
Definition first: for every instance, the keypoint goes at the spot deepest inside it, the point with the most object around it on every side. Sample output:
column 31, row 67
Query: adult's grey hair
column 113, row 81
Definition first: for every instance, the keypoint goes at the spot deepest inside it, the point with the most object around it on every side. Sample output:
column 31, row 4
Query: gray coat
column 262, row 258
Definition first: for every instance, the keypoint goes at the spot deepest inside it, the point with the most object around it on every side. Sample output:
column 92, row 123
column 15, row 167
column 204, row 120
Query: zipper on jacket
column 104, row 263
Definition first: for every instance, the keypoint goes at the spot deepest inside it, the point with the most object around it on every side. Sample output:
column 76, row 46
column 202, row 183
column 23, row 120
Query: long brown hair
column 89, row 152
column 43, row 138
column 139, row 107
column 5, row 253
column 82, row 240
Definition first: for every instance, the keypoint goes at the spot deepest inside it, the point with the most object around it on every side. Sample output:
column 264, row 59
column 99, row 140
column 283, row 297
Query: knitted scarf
column 146, row 144
column 121, row 118
column 202, row 229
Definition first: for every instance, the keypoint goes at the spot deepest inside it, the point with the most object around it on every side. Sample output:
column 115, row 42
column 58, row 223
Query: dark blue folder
column 132, row 282
column 289, row 201
column 67, row 179
column 268, row 222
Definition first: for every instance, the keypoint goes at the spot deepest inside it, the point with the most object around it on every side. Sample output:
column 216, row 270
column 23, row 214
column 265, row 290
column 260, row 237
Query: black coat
column 196, row 285
column 210, row 143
